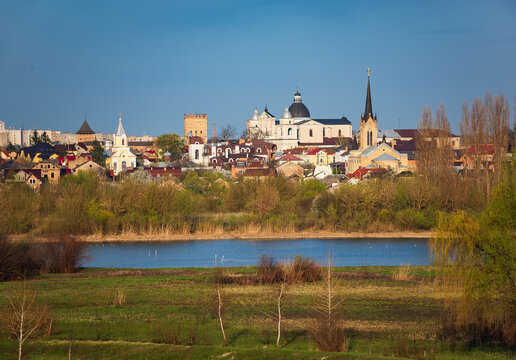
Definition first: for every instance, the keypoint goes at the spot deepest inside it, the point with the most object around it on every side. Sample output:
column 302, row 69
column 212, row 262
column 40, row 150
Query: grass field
column 170, row 314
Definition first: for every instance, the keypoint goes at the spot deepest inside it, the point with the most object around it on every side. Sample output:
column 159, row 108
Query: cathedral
column 296, row 127
column 371, row 154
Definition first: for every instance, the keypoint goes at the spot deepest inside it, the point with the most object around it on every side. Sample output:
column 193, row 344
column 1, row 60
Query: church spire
column 368, row 106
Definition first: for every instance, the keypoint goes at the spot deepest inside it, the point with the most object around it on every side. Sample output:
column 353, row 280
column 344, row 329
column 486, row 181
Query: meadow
column 171, row 314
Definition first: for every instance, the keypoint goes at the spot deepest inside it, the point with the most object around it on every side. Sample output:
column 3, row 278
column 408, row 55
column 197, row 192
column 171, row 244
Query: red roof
column 360, row 172
column 196, row 139
column 484, row 149
column 289, row 157
column 314, row 151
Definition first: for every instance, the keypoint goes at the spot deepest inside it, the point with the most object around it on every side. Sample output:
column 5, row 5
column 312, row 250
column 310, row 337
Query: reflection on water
column 346, row 252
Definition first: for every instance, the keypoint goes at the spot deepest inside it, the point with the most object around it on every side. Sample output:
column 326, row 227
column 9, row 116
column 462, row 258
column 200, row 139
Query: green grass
column 170, row 314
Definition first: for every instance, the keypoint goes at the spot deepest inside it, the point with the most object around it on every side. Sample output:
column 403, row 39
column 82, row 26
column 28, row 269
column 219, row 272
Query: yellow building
column 196, row 125
column 49, row 171
column 371, row 155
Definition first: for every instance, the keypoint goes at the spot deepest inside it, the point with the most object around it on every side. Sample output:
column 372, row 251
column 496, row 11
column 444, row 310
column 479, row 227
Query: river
column 198, row 253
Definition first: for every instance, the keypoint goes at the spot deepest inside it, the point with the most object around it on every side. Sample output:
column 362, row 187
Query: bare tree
column 485, row 132
column 328, row 331
column 227, row 132
column 220, row 314
column 23, row 316
column 280, row 295
column 256, row 134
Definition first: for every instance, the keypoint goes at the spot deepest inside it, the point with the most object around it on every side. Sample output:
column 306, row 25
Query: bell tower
column 368, row 121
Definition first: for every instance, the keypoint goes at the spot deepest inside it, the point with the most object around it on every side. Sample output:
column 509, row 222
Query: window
column 197, row 154
column 124, row 165
column 323, row 132
column 259, row 150
column 52, row 175
column 340, row 132
column 311, row 132
column 122, row 142
column 289, row 131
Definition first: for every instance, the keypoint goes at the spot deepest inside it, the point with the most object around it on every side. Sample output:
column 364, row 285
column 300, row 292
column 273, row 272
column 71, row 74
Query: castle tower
column 196, row 125
column 368, row 122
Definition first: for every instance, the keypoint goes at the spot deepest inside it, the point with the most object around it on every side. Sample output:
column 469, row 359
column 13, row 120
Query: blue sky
column 156, row 60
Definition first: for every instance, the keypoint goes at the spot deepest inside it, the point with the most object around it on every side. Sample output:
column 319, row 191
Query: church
column 118, row 153
column 296, row 127
column 371, row 154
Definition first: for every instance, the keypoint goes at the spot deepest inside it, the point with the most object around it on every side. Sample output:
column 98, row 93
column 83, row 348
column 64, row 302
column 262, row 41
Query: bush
column 16, row 262
column 62, row 256
column 299, row 270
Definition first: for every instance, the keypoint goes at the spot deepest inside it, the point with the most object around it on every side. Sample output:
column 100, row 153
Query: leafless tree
column 220, row 314
column 255, row 134
column 485, row 132
column 328, row 330
column 280, row 295
column 227, row 132
column 23, row 316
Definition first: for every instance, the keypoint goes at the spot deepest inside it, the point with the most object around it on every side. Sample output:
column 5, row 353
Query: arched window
column 311, row 132
column 259, row 150
column 323, row 132
column 289, row 131
column 197, row 154
column 122, row 142
column 340, row 132
column 124, row 164
column 298, row 133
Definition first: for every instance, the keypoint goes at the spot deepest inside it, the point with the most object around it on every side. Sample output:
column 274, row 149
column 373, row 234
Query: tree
column 355, row 143
column 23, row 316
column 45, row 138
column 97, row 153
column 227, row 132
column 35, row 139
column 477, row 255
column 327, row 331
column 171, row 143
column 10, row 147
column 255, row 134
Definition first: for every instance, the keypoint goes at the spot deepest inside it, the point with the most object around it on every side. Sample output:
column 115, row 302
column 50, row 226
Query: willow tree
column 477, row 255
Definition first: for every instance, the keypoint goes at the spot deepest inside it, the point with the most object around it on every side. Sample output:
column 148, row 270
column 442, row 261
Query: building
column 85, row 134
column 196, row 125
column 296, row 127
column 118, row 153
column 370, row 154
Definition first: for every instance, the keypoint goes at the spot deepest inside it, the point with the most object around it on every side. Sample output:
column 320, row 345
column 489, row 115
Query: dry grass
column 403, row 273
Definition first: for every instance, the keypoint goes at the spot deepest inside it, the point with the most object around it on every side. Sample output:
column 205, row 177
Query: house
column 291, row 169
column 259, row 173
column 49, row 170
column 289, row 158
column 90, row 165
column 239, row 167
column 322, row 171
column 38, row 152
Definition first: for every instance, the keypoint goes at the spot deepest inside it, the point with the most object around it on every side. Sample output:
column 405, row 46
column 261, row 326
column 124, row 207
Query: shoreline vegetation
column 250, row 236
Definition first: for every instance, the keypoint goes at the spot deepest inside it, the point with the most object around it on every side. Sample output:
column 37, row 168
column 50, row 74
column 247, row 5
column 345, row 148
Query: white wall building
column 296, row 127
column 118, row 152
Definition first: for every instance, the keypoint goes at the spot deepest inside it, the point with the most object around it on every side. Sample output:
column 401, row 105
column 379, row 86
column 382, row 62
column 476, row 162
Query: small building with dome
column 296, row 127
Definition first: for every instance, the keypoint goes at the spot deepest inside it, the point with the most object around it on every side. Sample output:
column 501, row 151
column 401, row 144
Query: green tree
column 35, row 139
column 10, row 147
column 478, row 255
column 171, row 143
column 97, row 153
column 45, row 138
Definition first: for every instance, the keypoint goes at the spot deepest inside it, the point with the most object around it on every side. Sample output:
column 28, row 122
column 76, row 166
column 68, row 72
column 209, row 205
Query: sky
column 154, row 61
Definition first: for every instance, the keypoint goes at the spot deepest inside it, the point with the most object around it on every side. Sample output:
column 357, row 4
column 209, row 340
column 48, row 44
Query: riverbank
column 237, row 235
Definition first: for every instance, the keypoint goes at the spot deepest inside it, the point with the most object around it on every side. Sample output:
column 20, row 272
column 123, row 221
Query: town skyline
column 156, row 62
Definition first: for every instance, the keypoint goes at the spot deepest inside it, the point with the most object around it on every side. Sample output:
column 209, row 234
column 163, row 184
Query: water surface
column 198, row 253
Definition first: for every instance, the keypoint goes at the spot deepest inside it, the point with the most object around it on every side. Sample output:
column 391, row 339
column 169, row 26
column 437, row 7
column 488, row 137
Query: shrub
column 62, row 256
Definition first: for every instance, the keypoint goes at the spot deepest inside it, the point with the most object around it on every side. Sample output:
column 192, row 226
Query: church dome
column 298, row 109
column 255, row 115
column 287, row 114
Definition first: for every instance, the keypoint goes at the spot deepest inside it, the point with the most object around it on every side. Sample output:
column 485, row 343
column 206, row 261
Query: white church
column 118, row 154
column 296, row 127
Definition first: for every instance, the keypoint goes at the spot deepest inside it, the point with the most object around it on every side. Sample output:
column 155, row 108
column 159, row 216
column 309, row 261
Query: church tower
column 120, row 135
column 368, row 122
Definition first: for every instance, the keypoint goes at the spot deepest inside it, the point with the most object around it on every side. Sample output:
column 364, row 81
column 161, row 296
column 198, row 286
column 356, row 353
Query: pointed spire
column 368, row 105
column 120, row 130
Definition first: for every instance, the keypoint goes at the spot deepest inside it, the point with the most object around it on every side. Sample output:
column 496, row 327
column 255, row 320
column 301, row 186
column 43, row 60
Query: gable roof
column 342, row 121
column 289, row 157
column 85, row 129
column 385, row 157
